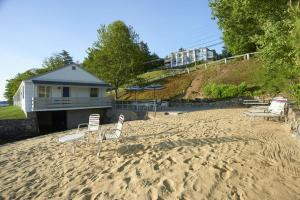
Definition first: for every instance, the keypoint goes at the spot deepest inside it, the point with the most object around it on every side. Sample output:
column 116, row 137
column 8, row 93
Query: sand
column 212, row 154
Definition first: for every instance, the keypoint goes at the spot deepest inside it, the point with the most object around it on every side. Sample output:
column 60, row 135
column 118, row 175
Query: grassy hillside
column 190, row 86
column 175, row 86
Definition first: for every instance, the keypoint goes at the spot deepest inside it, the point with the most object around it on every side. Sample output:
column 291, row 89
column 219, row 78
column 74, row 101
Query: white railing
column 39, row 103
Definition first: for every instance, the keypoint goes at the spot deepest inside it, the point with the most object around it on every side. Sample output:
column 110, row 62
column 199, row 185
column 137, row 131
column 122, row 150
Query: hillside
column 189, row 86
column 234, row 72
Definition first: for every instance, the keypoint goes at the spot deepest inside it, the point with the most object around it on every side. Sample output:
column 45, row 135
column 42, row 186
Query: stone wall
column 216, row 103
column 293, row 120
column 17, row 129
column 130, row 115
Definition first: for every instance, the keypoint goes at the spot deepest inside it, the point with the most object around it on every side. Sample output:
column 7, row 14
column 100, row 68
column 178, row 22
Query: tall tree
column 241, row 21
column 117, row 56
column 50, row 63
column 57, row 60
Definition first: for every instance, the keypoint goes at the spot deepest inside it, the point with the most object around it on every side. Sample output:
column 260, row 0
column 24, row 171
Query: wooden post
column 225, row 60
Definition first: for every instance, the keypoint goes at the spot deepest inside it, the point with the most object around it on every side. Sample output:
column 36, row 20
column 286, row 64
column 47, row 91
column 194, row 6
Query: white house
column 66, row 95
column 181, row 58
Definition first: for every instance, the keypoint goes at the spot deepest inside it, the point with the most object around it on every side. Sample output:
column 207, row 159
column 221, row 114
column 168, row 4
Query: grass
column 234, row 72
column 153, row 74
column 11, row 112
column 174, row 87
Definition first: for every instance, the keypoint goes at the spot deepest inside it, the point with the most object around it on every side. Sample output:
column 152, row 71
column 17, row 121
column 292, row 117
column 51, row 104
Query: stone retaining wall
column 17, row 129
column 130, row 115
column 218, row 103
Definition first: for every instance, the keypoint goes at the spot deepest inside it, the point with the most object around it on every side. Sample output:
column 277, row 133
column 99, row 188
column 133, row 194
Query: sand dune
column 214, row 154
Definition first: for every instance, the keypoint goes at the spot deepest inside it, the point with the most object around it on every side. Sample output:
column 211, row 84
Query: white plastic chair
column 275, row 106
column 111, row 134
column 277, row 109
column 92, row 126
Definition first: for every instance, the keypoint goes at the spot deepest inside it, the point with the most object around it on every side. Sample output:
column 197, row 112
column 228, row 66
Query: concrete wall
column 17, row 129
column 113, row 115
column 75, row 117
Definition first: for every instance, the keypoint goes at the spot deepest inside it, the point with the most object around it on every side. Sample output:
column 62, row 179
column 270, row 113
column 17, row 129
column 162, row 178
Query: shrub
column 295, row 91
column 218, row 91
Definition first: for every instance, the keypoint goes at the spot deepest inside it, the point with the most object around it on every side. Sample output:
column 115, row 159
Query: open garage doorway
column 52, row 121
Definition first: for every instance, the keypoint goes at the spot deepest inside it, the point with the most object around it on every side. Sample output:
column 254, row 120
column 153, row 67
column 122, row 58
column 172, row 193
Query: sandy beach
column 212, row 154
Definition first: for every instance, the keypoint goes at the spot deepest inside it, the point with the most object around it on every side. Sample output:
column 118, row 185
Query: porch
column 69, row 103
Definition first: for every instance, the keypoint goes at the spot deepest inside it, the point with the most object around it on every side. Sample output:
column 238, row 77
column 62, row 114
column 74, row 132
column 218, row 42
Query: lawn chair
column 275, row 105
column 114, row 134
column 277, row 109
column 92, row 126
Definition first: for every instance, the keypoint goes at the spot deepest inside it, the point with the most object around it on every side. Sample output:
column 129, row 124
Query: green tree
column 13, row 84
column 50, row 63
column 57, row 60
column 242, row 21
column 117, row 56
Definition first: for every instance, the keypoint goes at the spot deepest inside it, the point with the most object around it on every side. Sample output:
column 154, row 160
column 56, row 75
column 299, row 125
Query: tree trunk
column 116, row 93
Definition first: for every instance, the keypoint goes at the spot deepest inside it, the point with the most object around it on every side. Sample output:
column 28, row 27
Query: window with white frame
column 94, row 92
column 44, row 91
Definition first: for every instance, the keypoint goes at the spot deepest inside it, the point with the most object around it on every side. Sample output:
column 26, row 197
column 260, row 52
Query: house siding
column 29, row 93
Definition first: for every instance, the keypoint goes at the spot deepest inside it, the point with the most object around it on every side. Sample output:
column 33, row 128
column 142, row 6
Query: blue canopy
column 134, row 88
column 154, row 87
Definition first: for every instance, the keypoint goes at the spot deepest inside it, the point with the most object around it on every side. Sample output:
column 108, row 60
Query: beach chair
column 276, row 104
column 80, row 135
column 114, row 134
column 277, row 109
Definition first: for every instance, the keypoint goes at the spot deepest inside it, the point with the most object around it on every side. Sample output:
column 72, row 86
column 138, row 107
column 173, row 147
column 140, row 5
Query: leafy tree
column 13, row 84
column 225, row 53
column 57, row 60
column 117, row 56
column 242, row 21
column 50, row 63
column 153, row 61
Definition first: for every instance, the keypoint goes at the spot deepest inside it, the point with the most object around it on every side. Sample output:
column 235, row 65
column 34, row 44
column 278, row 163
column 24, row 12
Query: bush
column 219, row 91
column 295, row 91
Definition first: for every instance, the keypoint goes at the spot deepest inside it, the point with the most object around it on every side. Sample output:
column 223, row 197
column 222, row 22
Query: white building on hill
column 181, row 58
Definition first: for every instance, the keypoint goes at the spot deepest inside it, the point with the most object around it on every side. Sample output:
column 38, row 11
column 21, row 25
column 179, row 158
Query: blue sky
column 33, row 30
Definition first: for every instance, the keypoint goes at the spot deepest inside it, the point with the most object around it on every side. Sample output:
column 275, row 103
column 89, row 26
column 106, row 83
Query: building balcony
column 70, row 103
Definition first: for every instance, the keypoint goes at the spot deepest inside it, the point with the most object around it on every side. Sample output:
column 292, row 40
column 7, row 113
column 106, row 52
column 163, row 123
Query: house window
column 44, row 91
column 94, row 92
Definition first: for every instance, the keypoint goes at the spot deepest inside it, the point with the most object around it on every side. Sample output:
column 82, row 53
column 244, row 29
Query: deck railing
column 39, row 103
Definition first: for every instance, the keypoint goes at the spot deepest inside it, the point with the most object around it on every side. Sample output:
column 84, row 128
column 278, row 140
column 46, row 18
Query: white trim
column 73, row 108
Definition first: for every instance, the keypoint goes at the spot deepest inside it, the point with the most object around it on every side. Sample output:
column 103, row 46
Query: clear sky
column 35, row 29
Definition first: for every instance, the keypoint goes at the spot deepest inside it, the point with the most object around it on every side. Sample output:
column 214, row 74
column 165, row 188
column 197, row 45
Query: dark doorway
column 66, row 92
column 59, row 120
column 52, row 121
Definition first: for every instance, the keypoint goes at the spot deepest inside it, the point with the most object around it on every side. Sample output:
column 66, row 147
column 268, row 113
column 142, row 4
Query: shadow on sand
column 189, row 142
column 198, row 142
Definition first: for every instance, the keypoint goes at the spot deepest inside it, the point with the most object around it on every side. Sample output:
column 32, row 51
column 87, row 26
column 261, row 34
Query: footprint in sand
column 152, row 194
column 168, row 186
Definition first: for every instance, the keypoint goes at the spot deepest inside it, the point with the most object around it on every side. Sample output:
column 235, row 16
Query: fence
column 174, row 72
column 150, row 105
